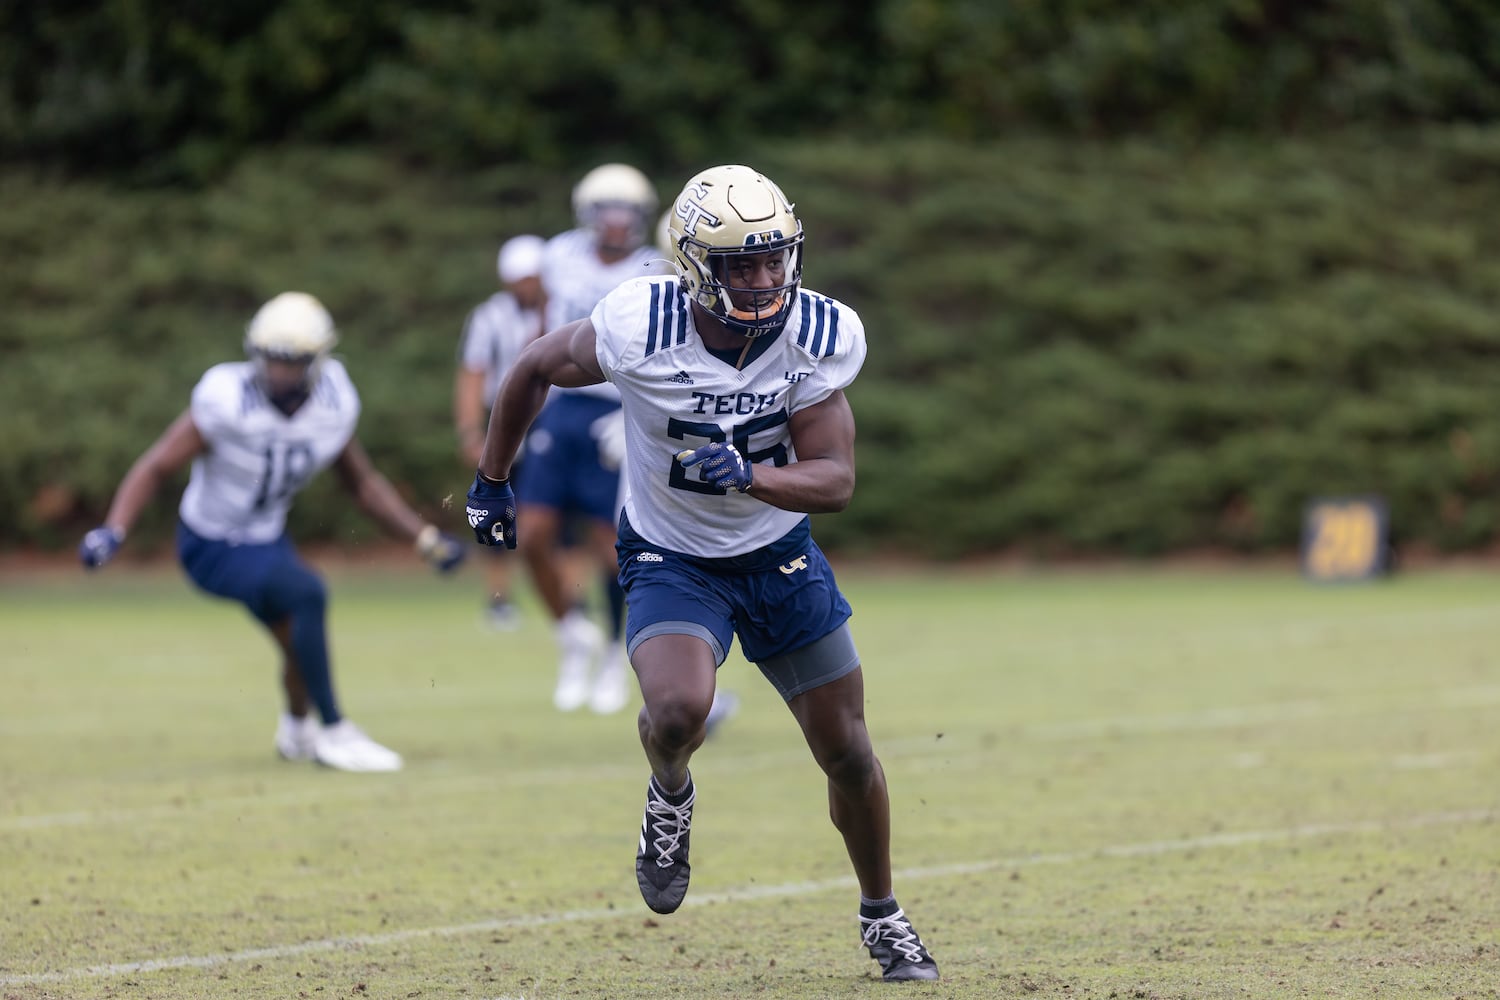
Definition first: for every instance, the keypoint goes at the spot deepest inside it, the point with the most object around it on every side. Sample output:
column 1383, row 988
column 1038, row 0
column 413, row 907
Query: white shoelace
column 671, row 823
column 894, row 932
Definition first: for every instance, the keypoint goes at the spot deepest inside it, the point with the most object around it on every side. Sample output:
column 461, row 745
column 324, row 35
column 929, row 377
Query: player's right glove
column 492, row 511
column 99, row 546
column 723, row 465
column 442, row 551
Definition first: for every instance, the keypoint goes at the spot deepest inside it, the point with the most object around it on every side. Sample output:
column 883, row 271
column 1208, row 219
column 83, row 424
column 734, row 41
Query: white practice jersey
column 494, row 335
column 576, row 280
column 258, row 458
column 677, row 395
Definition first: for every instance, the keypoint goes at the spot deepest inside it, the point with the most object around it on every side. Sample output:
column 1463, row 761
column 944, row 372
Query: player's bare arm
column 468, row 412
column 821, row 480
column 375, row 494
column 563, row 357
column 178, row 445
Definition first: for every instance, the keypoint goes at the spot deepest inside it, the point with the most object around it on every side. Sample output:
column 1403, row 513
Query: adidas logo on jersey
column 681, row 378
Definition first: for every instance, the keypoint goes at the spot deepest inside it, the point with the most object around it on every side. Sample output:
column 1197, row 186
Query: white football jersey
column 494, row 335
column 576, row 280
column 258, row 458
column 677, row 395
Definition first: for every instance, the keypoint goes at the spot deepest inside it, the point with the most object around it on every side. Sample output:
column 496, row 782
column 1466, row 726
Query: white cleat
column 725, row 704
column 296, row 738
column 578, row 641
column 344, row 747
column 612, row 686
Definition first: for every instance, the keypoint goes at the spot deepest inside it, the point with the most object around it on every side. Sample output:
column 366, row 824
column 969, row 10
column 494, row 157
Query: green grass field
column 1123, row 784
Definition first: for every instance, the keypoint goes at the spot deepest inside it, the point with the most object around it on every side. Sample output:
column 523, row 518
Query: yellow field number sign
column 1345, row 538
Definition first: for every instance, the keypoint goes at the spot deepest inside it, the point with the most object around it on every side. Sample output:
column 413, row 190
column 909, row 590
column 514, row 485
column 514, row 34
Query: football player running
column 256, row 432
column 576, row 447
column 732, row 378
column 494, row 334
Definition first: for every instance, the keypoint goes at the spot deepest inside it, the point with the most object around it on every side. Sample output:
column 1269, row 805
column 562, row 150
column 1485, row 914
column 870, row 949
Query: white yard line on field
column 784, row 891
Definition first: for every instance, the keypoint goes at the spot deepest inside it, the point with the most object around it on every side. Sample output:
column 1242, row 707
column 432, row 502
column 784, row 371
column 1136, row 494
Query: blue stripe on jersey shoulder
column 818, row 334
column 251, row 398
column 327, row 393
column 666, row 323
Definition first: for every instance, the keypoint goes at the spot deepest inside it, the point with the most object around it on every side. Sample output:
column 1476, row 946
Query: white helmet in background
column 520, row 257
column 731, row 211
column 292, row 327
column 615, row 195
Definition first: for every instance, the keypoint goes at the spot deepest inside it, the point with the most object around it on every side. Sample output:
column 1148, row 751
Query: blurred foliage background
column 1138, row 276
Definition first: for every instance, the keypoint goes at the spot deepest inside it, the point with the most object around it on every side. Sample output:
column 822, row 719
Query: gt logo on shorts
column 649, row 557
column 798, row 563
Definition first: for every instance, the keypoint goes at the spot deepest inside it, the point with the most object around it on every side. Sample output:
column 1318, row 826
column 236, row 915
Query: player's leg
column 294, row 602
column 611, row 683
column 810, row 657
column 241, row 573
column 500, row 610
column 677, row 634
column 297, row 729
column 595, row 487
column 537, row 530
column 578, row 639
column 832, row 719
column 290, row 600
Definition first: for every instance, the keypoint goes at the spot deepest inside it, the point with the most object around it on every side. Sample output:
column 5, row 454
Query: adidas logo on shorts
column 649, row 557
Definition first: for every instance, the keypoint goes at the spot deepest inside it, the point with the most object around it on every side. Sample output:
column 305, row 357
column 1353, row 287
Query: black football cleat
column 661, row 859
column 893, row 942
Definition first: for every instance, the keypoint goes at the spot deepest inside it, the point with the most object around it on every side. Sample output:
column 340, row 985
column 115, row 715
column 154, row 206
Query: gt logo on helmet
column 691, row 210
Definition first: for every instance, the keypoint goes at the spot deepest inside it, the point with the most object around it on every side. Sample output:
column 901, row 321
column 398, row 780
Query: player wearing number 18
column 256, row 432
column 732, row 381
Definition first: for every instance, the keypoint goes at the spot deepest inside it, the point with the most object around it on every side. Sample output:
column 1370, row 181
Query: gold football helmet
column 615, row 198
column 731, row 211
column 292, row 327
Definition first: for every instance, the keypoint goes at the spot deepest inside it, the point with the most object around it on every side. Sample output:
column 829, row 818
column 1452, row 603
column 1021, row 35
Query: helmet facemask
column 618, row 227
column 751, row 312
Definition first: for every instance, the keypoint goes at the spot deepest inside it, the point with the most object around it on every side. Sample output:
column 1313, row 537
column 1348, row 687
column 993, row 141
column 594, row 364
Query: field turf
column 1135, row 783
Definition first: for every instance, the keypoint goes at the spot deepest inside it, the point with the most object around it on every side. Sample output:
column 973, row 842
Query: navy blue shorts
column 778, row 600
column 248, row 573
column 562, row 459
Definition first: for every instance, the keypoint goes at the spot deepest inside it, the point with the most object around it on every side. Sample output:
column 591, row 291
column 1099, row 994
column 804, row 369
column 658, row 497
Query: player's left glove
column 492, row 511
column 99, row 547
column 442, row 550
column 723, row 465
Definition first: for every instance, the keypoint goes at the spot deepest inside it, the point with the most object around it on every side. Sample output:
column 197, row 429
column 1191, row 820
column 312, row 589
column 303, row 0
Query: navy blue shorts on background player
column 562, row 459
column 267, row 578
column 777, row 599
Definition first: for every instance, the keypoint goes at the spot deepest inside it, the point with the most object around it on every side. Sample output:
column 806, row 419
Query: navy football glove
column 492, row 511
column 441, row 550
column 723, row 465
column 99, row 547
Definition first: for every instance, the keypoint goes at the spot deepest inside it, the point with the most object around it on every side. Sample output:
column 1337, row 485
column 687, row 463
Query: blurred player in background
column 576, row 447
column 256, row 432
column 732, row 378
column 494, row 334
